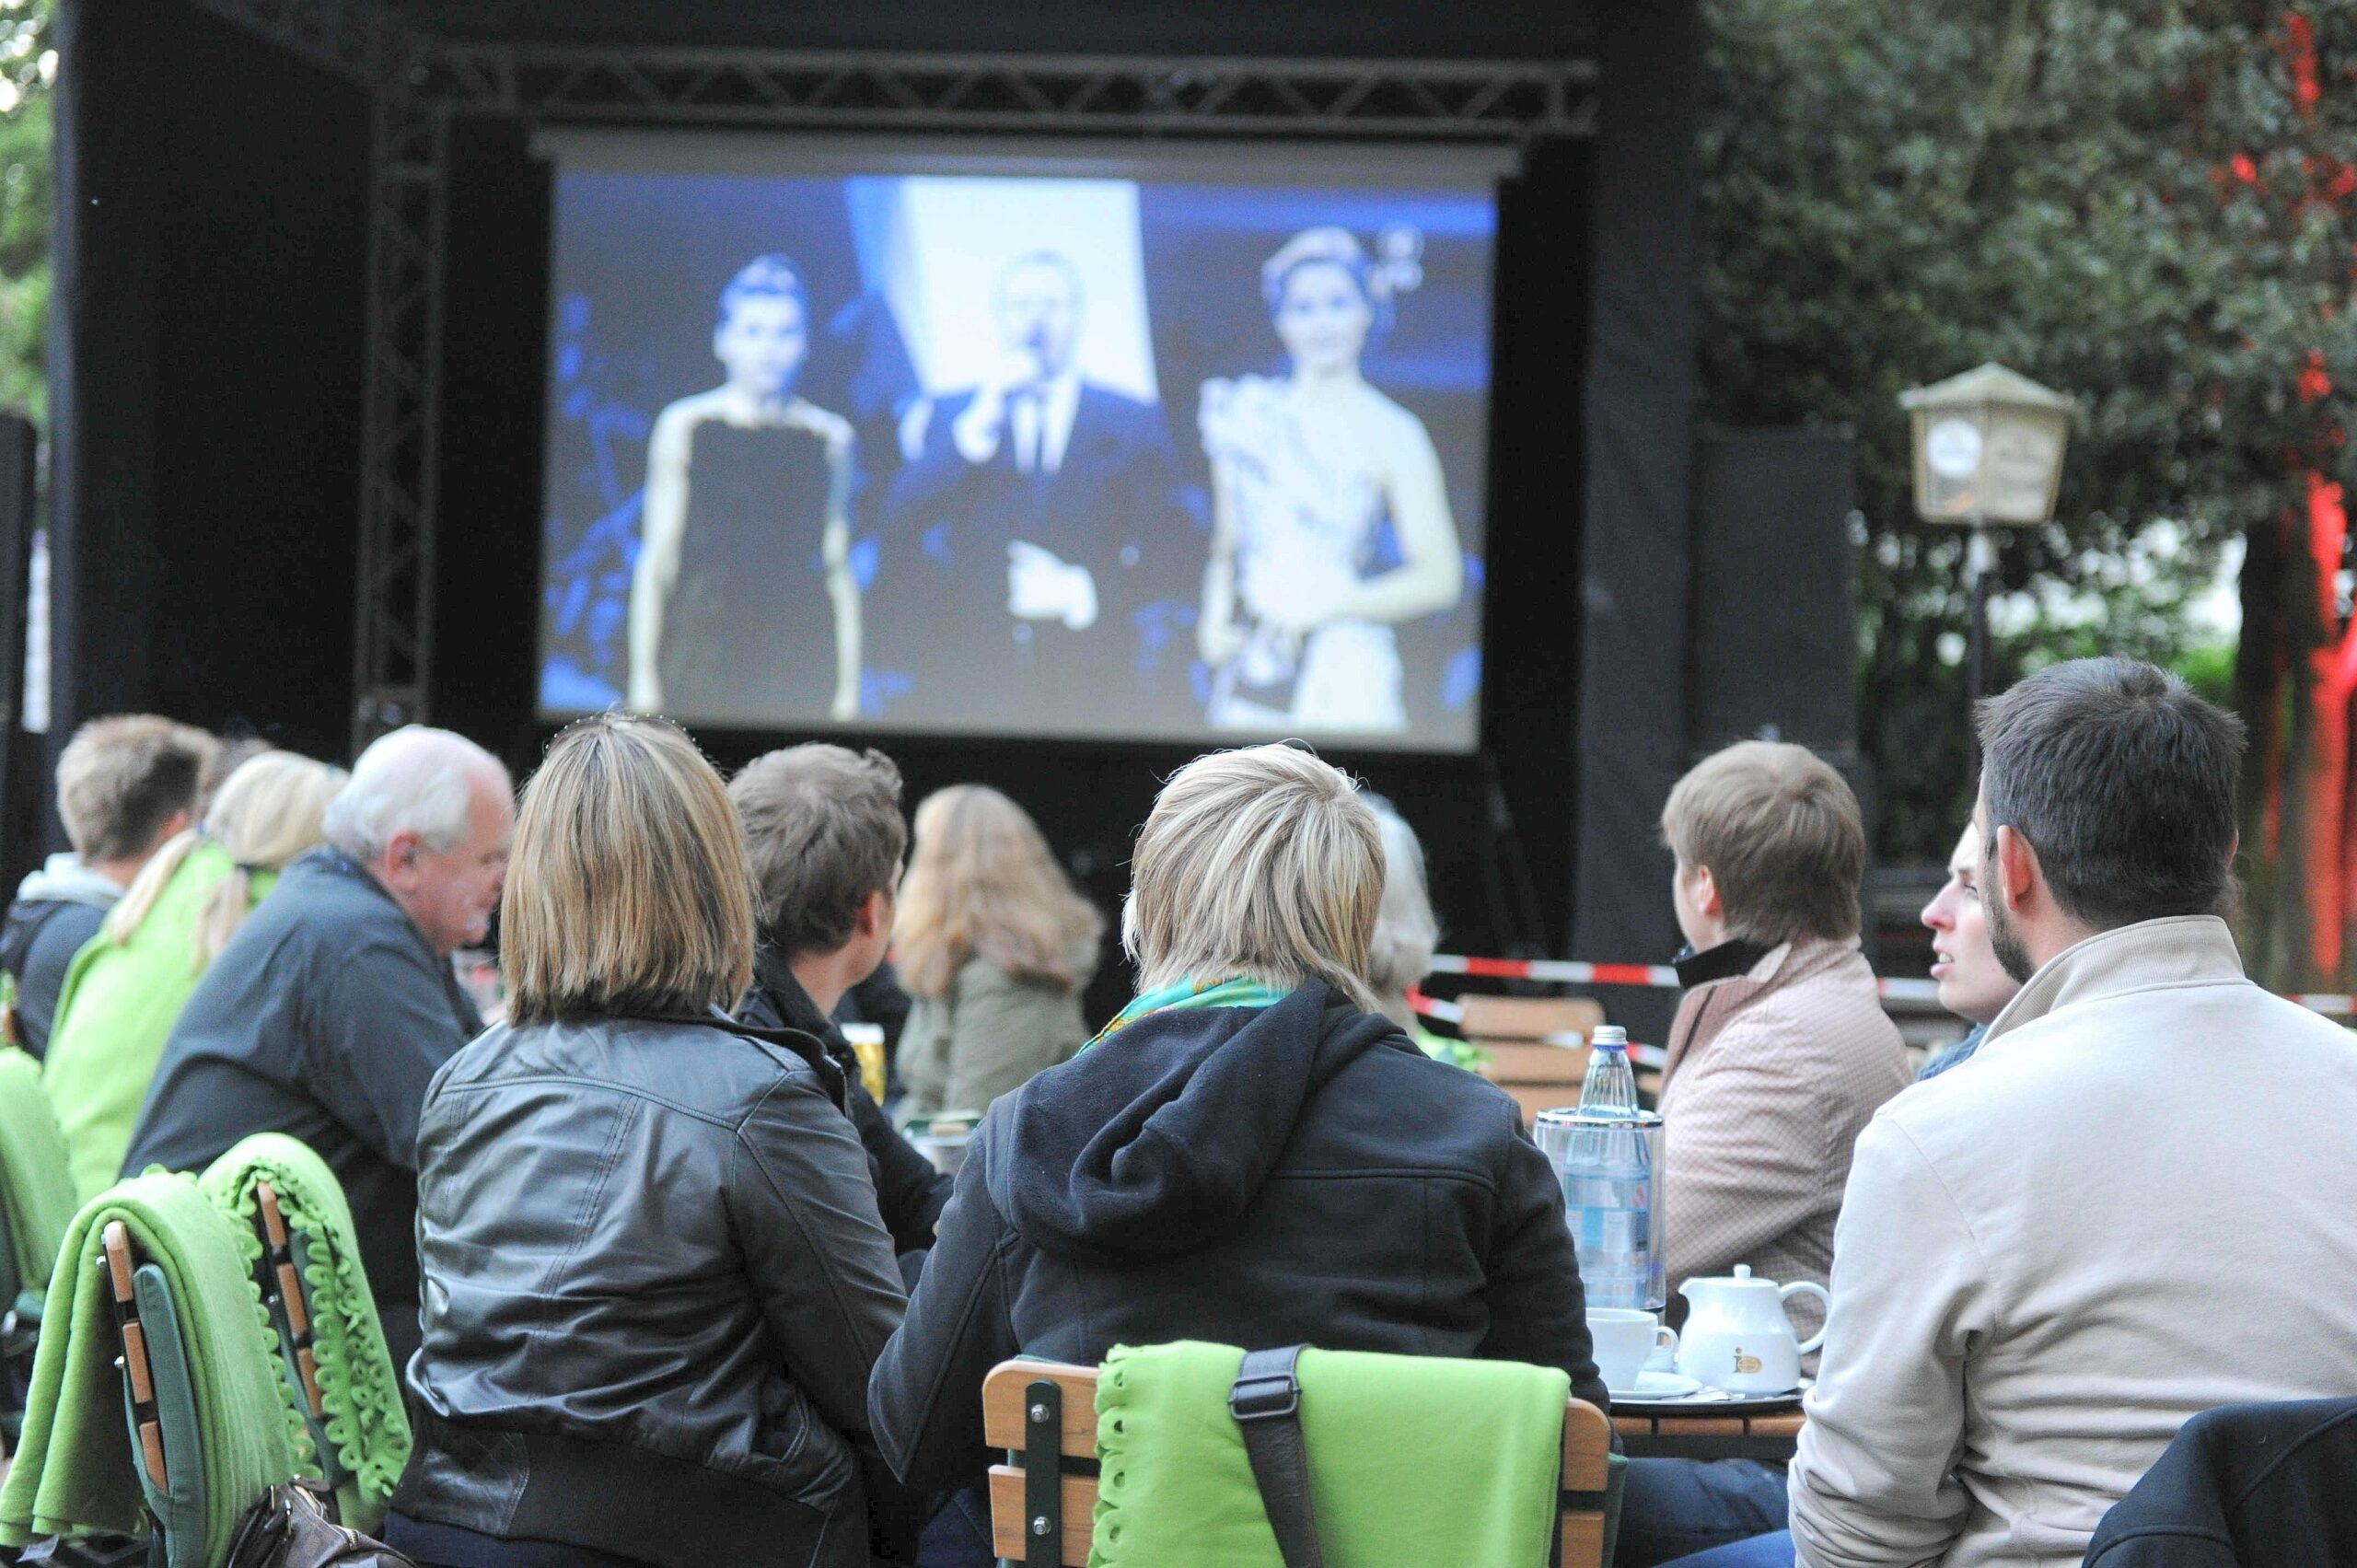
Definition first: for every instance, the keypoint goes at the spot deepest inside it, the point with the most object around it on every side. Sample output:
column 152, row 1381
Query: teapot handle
column 1823, row 1300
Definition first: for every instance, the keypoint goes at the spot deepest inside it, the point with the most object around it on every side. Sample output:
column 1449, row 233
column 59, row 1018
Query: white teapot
column 1737, row 1337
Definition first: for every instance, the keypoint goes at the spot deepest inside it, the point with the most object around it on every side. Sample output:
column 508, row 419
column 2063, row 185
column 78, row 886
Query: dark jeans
column 1760, row 1552
column 1672, row 1508
column 959, row 1535
column 448, row 1546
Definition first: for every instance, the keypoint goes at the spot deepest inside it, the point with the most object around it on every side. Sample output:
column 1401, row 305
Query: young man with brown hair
column 1779, row 1056
column 124, row 785
column 824, row 837
column 1780, row 1051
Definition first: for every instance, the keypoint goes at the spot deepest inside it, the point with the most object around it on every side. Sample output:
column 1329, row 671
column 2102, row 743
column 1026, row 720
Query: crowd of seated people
column 670, row 1287
column 126, row 988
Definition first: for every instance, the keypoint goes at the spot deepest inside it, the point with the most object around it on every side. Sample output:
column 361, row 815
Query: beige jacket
column 985, row 1038
column 1771, row 1073
column 2137, row 1201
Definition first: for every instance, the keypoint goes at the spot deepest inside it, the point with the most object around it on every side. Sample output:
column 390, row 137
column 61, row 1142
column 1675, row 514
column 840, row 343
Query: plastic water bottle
column 1609, row 1150
column 1611, row 1087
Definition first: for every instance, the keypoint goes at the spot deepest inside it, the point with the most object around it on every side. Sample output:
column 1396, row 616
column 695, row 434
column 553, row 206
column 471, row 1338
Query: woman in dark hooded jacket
column 1250, row 1154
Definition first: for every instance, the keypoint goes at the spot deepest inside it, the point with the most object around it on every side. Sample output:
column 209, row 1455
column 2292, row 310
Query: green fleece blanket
column 1479, row 1481
column 36, row 1183
column 358, row 1383
column 74, row 1471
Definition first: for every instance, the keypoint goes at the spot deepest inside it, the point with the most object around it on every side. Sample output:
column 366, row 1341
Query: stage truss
column 420, row 81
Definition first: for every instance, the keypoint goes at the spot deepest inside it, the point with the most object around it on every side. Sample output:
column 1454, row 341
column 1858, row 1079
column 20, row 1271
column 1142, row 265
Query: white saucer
column 1658, row 1385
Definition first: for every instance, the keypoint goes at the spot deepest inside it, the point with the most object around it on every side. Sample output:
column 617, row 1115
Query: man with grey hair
column 327, row 1014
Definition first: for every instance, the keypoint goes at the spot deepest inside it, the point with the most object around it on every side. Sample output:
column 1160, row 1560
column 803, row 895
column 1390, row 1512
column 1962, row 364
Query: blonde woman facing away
column 129, row 984
column 1249, row 1154
column 995, row 946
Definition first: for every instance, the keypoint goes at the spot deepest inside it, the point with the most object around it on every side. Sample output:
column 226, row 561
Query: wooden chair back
column 1038, row 1523
column 1537, row 1046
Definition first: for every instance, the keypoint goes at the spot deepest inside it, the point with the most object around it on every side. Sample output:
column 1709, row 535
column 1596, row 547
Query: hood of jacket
column 1156, row 1139
column 64, row 879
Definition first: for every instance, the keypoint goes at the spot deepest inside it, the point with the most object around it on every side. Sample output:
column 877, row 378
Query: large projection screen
column 1025, row 439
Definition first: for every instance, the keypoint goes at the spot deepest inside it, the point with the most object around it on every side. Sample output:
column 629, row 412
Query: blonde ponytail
column 266, row 813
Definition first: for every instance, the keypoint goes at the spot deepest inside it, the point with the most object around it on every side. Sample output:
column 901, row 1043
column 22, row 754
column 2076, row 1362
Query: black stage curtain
column 1639, row 418
column 210, row 253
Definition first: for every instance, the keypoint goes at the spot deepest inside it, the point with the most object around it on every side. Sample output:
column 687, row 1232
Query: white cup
column 1624, row 1339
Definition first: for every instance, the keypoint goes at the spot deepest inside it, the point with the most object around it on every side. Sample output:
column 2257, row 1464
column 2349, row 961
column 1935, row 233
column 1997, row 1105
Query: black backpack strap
column 26, row 923
column 1265, row 1400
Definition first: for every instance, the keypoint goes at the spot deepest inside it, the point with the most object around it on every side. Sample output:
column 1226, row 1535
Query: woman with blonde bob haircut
column 127, row 987
column 1262, row 863
column 994, row 946
column 655, row 1278
column 1229, row 1159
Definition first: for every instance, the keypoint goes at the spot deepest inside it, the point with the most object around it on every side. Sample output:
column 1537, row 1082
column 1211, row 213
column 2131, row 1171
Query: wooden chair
column 1537, row 1046
column 1042, row 1501
column 279, row 1273
column 159, row 1397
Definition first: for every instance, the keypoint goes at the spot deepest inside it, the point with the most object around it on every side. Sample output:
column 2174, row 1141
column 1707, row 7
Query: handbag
column 290, row 1527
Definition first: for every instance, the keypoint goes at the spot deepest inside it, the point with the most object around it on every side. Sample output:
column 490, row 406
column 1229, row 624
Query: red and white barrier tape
column 1564, row 972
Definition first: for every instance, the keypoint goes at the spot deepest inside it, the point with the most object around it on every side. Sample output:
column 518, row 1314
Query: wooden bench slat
column 1003, row 1404
column 1584, row 1538
column 1535, row 1097
column 1588, row 1440
column 1514, row 1063
column 1009, row 1537
column 134, row 1361
column 1529, row 1018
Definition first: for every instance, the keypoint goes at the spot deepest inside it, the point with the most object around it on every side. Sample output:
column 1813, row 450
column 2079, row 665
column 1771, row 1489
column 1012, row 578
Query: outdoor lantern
column 1989, row 448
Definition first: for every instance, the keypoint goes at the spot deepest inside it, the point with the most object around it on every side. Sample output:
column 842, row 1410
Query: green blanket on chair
column 76, row 1471
column 1449, row 1461
column 36, row 1183
column 358, row 1383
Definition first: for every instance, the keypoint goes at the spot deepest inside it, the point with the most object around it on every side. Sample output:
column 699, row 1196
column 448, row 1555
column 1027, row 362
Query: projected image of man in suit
column 1053, row 506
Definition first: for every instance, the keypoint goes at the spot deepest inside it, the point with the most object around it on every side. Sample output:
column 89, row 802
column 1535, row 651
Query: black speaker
column 1772, row 616
column 24, row 759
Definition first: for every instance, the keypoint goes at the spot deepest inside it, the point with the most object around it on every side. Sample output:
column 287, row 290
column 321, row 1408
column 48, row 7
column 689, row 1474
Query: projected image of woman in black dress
column 743, row 607
column 1298, row 606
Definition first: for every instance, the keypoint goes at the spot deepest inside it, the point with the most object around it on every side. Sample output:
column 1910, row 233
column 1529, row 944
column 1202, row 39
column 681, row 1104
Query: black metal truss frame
column 1507, row 100
column 401, row 419
column 419, row 82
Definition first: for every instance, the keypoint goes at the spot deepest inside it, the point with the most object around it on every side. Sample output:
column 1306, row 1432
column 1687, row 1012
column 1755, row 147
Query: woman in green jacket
column 128, row 982
column 994, row 944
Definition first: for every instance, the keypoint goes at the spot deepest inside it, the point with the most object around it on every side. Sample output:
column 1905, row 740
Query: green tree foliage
column 2141, row 202
column 28, row 69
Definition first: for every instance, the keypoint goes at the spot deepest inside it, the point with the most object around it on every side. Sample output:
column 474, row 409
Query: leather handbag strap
column 1265, row 1400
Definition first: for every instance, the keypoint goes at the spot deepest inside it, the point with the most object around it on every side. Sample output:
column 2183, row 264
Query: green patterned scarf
column 1238, row 991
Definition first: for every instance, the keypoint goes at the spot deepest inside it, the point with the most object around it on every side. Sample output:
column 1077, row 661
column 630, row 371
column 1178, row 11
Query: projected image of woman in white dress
column 1297, row 616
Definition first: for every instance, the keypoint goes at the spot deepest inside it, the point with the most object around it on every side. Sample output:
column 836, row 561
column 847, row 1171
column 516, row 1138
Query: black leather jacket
column 910, row 1194
column 655, row 1282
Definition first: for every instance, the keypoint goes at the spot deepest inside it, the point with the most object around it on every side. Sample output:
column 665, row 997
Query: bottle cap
column 1609, row 1033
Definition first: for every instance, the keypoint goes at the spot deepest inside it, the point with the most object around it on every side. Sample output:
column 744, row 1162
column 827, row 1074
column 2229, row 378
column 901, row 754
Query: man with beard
column 2134, row 1207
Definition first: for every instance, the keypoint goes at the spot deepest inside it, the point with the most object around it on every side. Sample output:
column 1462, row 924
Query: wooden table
column 1770, row 1435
